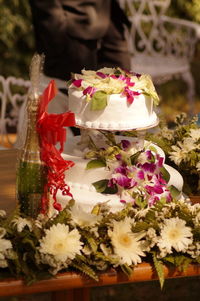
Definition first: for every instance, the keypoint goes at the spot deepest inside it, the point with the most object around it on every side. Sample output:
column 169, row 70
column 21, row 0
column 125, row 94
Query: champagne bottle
column 31, row 172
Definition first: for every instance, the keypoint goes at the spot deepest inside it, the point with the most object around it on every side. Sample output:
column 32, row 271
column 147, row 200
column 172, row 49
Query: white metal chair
column 13, row 94
column 160, row 45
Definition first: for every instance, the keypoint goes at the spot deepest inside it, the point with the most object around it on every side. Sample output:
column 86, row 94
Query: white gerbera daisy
column 127, row 245
column 61, row 243
column 174, row 234
column 83, row 218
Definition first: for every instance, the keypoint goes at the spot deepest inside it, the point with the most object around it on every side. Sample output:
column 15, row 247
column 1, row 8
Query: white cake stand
column 141, row 132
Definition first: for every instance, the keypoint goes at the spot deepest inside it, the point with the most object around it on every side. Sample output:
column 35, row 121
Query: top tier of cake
column 113, row 99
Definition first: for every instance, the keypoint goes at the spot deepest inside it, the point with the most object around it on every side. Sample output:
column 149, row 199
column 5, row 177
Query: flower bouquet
column 181, row 144
column 164, row 234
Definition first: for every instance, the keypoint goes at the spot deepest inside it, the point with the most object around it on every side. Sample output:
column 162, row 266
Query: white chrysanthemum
column 175, row 234
column 61, row 243
column 5, row 244
column 195, row 134
column 2, row 232
column 2, row 213
column 198, row 166
column 127, row 245
column 188, row 145
column 83, row 218
column 20, row 223
column 177, row 154
column 166, row 133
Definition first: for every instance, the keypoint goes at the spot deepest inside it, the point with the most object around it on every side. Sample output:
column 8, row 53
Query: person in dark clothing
column 77, row 34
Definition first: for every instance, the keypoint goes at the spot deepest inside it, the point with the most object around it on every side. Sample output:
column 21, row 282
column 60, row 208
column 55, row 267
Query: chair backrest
column 13, row 93
column 146, row 8
column 153, row 33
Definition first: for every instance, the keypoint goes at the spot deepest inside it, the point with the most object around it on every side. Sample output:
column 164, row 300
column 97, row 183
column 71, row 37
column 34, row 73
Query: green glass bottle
column 32, row 172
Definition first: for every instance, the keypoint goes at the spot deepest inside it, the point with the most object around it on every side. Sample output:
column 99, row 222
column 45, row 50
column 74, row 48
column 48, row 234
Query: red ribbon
column 51, row 130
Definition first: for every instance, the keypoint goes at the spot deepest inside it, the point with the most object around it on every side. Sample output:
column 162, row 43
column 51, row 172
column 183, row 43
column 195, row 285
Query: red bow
column 51, row 130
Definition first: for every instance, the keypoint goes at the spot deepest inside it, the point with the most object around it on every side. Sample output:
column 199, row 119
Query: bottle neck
column 31, row 149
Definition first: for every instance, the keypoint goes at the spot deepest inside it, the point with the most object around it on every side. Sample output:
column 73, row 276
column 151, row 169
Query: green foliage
column 24, row 258
column 187, row 9
column 16, row 37
column 95, row 164
column 159, row 269
column 173, row 139
column 102, row 187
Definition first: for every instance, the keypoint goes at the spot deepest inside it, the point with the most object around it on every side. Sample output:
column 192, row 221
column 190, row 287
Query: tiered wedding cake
column 111, row 166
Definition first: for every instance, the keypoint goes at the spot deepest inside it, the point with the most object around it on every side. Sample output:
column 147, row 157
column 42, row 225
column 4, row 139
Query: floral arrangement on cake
column 164, row 234
column 97, row 85
column 138, row 175
column 181, row 144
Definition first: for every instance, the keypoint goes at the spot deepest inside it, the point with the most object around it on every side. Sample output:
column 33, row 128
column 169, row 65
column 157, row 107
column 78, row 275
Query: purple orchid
column 150, row 167
column 121, row 169
column 160, row 160
column 140, row 175
column 125, row 144
column 156, row 189
column 153, row 200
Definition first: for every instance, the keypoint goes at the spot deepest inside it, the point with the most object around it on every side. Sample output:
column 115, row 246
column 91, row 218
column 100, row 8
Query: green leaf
column 84, row 268
column 102, row 187
column 159, row 269
column 165, row 174
column 134, row 157
column 98, row 101
column 174, row 191
column 153, row 149
column 96, row 163
column 140, row 201
column 28, row 241
column 140, row 226
column 126, row 269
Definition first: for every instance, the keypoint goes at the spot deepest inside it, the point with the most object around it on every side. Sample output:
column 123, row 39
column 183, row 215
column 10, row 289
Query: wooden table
column 66, row 286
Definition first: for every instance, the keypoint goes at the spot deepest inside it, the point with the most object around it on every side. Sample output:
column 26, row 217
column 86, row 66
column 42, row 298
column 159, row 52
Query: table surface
column 143, row 272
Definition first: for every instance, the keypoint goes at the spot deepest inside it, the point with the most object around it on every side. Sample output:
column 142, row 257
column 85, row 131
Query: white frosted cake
column 113, row 99
column 80, row 178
